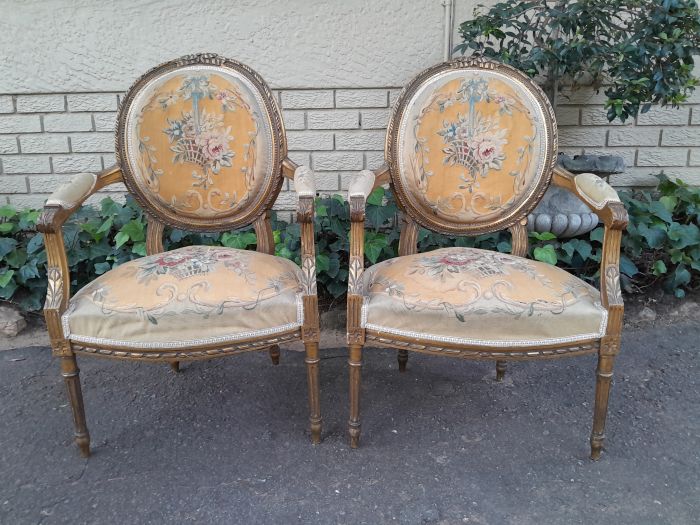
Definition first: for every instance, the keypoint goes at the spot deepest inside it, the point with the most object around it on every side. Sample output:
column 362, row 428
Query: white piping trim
column 485, row 342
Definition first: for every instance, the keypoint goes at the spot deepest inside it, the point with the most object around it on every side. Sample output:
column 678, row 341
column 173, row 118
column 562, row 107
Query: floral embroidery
column 181, row 283
column 475, row 139
column 196, row 261
column 199, row 137
column 482, row 280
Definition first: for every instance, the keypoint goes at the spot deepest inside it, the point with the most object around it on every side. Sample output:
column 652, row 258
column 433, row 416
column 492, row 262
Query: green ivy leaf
column 120, row 239
column 135, row 229
column 376, row 198
column 6, row 227
column 6, row 245
column 544, row 236
column 322, row 263
column 546, row 254
column 6, row 277
column 374, row 243
column 659, row 268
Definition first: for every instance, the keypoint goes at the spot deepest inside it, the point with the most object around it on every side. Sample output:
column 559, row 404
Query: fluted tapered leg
column 500, row 370
column 604, row 376
column 71, row 376
column 312, row 361
column 355, row 364
column 403, row 359
column 175, row 365
column 275, row 354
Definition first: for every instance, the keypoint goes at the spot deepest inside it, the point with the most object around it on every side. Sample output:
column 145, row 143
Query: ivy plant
column 641, row 50
column 661, row 245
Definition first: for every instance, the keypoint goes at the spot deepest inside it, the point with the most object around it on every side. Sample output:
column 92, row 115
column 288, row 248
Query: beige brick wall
column 45, row 138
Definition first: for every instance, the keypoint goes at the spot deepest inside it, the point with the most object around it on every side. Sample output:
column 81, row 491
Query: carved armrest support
column 360, row 188
column 59, row 206
column 305, row 188
column 603, row 200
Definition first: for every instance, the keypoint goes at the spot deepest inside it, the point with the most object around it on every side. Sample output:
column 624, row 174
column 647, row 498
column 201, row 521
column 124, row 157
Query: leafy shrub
column 662, row 244
column 641, row 50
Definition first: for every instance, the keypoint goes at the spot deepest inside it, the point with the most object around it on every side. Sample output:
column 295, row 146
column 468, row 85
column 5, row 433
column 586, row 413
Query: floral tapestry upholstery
column 188, row 297
column 473, row 146
column 199, row 142
column 478, row 297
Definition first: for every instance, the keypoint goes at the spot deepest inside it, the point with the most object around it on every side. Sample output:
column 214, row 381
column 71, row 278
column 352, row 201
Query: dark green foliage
column 642, row 50
column 662, row 243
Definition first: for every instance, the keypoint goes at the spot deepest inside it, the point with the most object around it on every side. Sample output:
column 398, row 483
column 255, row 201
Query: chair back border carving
column 237, row 218
column 391, row 148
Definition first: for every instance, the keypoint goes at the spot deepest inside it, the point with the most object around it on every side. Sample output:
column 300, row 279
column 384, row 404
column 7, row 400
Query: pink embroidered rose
column 213, row 145
column 456, row 259
column 171, row 261
column 486, row 150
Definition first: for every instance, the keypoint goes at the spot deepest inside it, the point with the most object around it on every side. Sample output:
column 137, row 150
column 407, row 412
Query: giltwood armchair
column 471, row 148
column 201, row 145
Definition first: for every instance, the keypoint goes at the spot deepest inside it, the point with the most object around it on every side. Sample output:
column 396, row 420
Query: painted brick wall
column 45, row 138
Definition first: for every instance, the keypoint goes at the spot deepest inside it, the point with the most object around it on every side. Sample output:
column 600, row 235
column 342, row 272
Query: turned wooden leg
column 71, row 376
column 403, row 359
column 500, row 370
column 312, row 360
column 175, row 365
column 355, row 362
column 275, row 354
column 604, row 376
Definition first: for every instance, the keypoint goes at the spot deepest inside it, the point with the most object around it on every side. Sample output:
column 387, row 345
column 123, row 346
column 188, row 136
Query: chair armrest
column 598, row 195
column 604, row 202
column 66, row 199
column 59, row 206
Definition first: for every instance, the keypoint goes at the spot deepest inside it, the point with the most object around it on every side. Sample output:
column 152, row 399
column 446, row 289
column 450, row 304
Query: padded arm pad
column 304, row 183
column 362, row 184
column 73, row 193
column 594, row 190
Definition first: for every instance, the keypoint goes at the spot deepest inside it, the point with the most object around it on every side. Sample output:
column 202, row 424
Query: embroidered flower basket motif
column 197, row 140
column 489, row 148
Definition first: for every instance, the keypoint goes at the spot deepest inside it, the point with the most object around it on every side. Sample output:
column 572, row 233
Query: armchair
column 201, row 145
column 470, row 149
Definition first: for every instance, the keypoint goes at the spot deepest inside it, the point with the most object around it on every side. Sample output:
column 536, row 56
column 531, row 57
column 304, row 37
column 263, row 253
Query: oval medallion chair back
column 201, row 145
column 470, row 149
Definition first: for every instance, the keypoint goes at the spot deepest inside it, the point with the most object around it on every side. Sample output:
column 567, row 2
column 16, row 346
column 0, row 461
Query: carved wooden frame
column 613, row 216
column 58, row 292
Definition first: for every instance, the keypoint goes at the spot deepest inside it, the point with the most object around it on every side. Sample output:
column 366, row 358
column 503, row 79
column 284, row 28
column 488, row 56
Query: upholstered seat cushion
column 188, row 297
column 477, row 297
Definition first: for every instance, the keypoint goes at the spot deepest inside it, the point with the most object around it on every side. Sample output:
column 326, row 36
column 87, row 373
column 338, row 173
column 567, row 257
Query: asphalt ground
column 225, row 441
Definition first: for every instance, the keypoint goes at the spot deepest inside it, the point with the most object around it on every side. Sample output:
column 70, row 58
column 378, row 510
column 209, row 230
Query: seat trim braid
column 252, row 334
column 485, row 342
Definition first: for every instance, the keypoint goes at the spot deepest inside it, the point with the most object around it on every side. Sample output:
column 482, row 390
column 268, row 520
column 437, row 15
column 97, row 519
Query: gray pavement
column 225, row 441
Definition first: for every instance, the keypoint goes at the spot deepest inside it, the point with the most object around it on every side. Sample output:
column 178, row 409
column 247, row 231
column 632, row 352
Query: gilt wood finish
column 58, row 292
column 614, row 217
